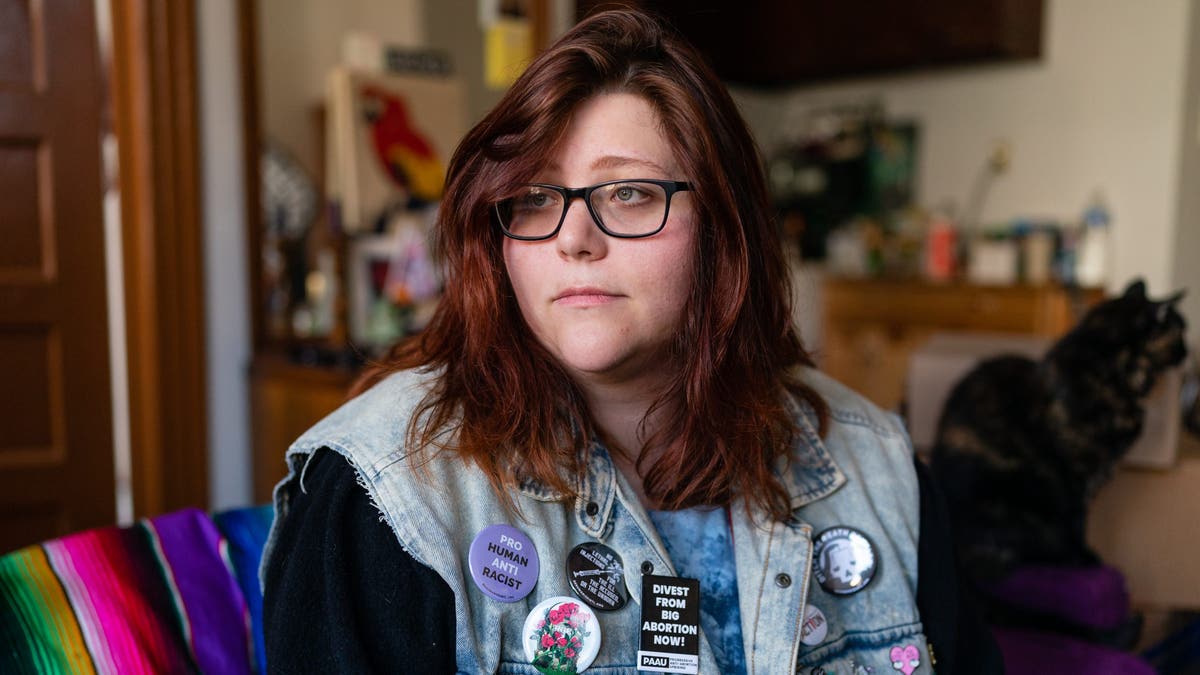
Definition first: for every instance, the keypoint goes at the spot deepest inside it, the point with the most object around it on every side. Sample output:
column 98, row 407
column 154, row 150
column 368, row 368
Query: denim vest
column 860, row 476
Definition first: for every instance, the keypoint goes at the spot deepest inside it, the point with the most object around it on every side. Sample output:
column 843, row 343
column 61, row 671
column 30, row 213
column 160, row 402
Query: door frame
column 153, row 84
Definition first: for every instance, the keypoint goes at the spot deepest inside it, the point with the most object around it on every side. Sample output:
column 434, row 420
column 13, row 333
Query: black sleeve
column 962, row 642
column 342, row 595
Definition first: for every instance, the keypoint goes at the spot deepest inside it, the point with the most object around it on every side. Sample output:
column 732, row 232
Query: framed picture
column 390, row 137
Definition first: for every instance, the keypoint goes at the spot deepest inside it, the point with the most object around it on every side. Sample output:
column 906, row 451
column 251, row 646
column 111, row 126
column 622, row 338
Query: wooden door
column 56, row 457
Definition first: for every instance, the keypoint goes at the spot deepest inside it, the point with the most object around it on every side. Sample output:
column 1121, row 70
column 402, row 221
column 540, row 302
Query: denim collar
column 597, row 485
column 808, row 474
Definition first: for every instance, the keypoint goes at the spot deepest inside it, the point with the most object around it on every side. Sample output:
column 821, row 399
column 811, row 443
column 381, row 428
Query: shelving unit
column 872, row 327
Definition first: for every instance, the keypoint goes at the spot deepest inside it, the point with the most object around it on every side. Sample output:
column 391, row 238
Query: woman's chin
column 596, row 366
column 618, row 368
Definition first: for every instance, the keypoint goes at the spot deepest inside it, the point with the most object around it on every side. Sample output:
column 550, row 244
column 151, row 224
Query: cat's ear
column 1136, row 290
column 1164, row 308
column 1174, row 299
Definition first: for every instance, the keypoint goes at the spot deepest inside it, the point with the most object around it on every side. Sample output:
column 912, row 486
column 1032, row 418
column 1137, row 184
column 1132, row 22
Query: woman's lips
column 584, row 296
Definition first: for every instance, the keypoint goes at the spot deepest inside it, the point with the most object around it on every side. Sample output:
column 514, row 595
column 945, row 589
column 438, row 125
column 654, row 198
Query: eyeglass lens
column 628, row 208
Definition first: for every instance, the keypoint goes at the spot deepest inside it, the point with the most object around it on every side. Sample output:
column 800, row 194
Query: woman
column 608, row 449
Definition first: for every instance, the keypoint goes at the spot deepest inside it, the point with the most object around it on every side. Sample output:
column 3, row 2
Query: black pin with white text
column 670, row 625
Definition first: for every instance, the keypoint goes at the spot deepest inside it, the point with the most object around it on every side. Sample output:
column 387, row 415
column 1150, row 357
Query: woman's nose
column 579, row 236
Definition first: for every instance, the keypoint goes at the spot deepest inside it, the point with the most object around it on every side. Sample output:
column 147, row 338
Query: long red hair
column 501, row 401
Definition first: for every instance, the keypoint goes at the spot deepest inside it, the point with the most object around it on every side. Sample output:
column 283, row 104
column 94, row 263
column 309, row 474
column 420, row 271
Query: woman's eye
column 534, row 200
column 628, row 194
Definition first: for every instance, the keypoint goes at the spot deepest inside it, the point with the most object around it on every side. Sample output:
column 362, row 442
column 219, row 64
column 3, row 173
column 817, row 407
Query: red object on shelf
column 941, row 246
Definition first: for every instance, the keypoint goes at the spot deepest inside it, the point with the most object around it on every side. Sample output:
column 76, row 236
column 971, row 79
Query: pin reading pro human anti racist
column 504, row 563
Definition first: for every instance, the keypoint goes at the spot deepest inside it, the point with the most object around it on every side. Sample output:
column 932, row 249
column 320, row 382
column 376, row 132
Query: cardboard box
column 1144, row 524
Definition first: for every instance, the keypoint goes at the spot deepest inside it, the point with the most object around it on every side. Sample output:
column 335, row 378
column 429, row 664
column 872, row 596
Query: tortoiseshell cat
column 1023, row 445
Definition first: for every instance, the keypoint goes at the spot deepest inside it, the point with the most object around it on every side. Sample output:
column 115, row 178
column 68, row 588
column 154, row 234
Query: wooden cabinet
column 286, row 399
column 779, row 42
column 871, row 327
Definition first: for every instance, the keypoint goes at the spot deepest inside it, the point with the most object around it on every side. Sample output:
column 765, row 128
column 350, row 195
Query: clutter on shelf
column 839, row 163
column 346, row 267
column 844, row 179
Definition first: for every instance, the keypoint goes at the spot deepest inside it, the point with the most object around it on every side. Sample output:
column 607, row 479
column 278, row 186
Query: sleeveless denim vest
column 860, row 476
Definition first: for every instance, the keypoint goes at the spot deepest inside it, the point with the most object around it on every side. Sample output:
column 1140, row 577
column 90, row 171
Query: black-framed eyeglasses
column 627, row 209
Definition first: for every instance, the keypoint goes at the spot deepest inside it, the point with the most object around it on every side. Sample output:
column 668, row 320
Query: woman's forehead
column 615, row 131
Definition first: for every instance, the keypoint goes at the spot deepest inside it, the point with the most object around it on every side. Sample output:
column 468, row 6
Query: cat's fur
column 1023, row 445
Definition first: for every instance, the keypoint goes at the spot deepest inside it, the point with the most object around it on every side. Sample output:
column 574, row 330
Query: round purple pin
column 504, row 563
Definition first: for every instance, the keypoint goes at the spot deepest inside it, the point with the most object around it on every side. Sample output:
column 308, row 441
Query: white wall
column 227, row 334
column 453, row 25
column 1103, row 109
column 299, row 41
column 1187, row 234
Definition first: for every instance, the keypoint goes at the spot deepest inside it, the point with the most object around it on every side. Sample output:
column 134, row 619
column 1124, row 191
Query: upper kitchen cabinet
column 784, row 42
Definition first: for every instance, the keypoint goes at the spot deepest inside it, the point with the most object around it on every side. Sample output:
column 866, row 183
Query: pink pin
column 905, row 659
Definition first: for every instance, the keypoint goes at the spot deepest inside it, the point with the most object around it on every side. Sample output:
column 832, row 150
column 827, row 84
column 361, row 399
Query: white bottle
column 1091, row 267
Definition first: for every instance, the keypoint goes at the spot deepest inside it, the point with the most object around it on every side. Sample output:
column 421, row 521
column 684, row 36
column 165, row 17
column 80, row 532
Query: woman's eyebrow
column 620, row 161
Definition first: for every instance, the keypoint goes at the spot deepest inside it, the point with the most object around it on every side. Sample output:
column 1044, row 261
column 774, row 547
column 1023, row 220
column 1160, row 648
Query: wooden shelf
column 871, row 327
column 286, row 399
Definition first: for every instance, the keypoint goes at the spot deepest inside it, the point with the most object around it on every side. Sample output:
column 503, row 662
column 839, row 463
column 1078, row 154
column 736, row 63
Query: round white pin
column 815, row 627
column 561, row 636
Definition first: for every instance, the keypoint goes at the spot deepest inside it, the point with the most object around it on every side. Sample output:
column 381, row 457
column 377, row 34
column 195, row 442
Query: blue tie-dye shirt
column 700, row 545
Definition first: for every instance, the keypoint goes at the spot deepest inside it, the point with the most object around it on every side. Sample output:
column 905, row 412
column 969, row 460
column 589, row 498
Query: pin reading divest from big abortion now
column 504, row 563
column 670, row 625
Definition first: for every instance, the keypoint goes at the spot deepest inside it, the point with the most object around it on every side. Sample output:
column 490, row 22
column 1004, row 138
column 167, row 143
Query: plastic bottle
column 1091, row 266
column 1068, row 250
column 941, row 248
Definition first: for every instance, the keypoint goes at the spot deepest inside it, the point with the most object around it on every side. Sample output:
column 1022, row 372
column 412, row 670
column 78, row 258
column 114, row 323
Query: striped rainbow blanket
column 177, row 593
